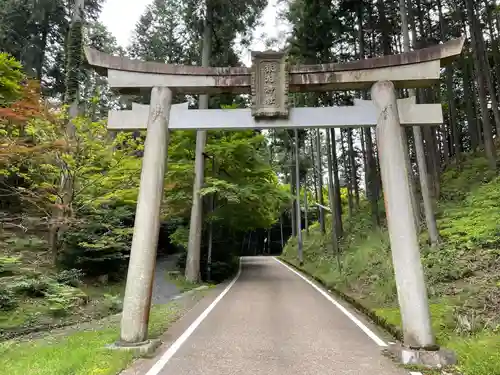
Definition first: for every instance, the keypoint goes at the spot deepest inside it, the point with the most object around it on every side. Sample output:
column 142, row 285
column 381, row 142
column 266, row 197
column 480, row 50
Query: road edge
column 172, row 347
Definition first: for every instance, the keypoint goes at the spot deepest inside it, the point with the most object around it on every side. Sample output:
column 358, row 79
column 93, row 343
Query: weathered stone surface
column 406, row 70
column 436, row 359
column 269, row 85
column 145, row 348
column 362, row 114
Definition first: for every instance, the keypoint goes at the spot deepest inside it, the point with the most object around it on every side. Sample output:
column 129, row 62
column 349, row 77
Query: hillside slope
column 463, row 274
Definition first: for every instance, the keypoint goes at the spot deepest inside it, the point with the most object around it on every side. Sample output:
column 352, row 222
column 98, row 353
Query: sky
column 120, row 17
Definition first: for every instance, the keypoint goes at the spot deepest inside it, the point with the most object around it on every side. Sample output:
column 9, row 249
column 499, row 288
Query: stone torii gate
column 269, row 80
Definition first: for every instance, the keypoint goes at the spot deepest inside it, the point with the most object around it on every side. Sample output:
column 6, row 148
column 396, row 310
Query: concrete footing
column 435, row 359
column 142, row 348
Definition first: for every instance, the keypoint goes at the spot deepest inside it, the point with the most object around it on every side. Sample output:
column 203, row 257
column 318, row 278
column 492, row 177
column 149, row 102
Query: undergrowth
column 463, row 273
column 35, row 296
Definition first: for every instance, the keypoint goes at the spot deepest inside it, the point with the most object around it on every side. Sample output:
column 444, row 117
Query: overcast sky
column 120, row 17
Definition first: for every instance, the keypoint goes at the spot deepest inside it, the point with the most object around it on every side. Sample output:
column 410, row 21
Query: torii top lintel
column 419, row 68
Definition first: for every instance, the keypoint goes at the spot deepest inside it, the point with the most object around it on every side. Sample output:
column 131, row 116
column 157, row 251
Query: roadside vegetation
column 81, row 350
column 463, row 272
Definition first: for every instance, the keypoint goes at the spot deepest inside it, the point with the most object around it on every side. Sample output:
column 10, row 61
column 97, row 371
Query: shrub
column 72, row 277
column 32, row 287
column 113, row 302
column 99, row 243
column 10, row 78
column 63, row 298
column 7, row 300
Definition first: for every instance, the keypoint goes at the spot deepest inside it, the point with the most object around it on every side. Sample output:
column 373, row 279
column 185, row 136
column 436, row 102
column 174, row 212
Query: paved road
column 163, row 290
column 271, row 322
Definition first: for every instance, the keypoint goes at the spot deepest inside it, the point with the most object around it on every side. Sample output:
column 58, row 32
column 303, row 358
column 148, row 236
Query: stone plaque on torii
column 269, row 85
column 269, row 81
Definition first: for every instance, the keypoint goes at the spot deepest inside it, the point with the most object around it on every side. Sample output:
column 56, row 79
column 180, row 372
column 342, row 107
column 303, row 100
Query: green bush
column 7, row 300
column 11, row 76
column 113, row 302
column 72, row 277
column 32, row 287
column 63, row 298
column 99, row 243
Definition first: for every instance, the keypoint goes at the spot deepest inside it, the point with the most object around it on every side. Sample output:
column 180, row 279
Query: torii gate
column 269, row 80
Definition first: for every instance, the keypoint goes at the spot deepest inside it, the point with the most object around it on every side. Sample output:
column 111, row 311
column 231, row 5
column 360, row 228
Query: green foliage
column 71, row 277
column 10, row 78
column 113, row 302
column 457, row 182
column 99, row 243
column 31, row 31
column 465, row 224
column 246, row 180
column 7, row 299
column 248, row 194
column 479, row 354
column 34, row 287
column 8, row 265
column 63, row 298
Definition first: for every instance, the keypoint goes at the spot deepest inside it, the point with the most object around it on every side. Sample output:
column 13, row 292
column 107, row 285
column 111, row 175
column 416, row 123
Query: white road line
column 158, row 366
column 415, row 373
column 355, row 320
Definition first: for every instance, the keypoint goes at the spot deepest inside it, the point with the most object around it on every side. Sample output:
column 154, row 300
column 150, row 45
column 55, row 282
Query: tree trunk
column 370, row 162
column 292, row 191
column 452, row 109
column 354, row 169
column 336, row 187
column 297, row 194
column 419, row 148
column 306, row 218
column 494, row 43
column 347, row 174
column 483, row 56
column 331, row 194
column 62, row 210
column 192, row 272
column 315, row 175
column 384, row 28
column 320, row 182
column 481, row 85
column 473, row 125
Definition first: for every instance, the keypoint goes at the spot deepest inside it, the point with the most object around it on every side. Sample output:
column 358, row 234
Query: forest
column 69, row 187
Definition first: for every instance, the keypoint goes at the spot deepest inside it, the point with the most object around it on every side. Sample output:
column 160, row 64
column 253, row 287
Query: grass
column 180, row 281
column 82, row 352
column 463, row 274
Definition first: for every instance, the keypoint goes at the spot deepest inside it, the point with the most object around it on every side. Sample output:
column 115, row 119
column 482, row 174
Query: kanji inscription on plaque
column 269, row 85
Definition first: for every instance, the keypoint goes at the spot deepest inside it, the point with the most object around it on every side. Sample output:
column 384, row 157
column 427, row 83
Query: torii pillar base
column 144, row 348
column 434, row 359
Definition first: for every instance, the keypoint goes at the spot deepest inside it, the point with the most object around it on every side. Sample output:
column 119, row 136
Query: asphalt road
column 271, row 322
column 163, row 290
